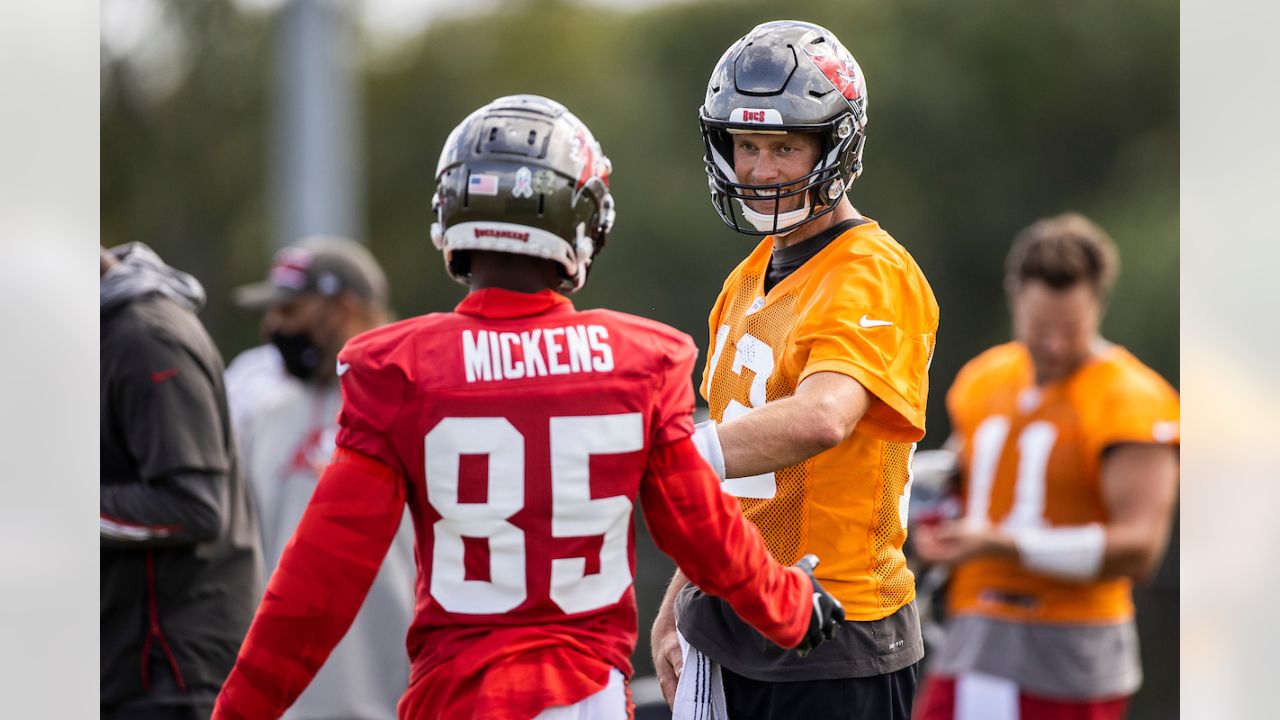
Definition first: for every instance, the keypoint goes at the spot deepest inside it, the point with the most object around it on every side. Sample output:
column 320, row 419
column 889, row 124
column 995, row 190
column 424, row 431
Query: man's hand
column 668, row 660
column 827, row 614
column 954, row 541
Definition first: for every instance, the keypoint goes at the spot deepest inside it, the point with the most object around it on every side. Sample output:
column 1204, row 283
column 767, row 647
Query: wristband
column 1069, row 553
column 707, row 440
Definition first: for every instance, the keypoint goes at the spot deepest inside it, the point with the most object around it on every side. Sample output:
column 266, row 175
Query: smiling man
column 817, row 383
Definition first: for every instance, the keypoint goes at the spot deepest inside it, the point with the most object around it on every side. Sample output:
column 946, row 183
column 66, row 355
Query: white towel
column 985, row 697
column 700, row 690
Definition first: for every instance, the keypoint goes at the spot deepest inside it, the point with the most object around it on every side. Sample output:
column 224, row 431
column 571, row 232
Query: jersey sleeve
column 673, row 406
column 704, row 531
column 373, row 392
column 322, row 579
column 1134, row 407
column 170, row 411
column 868, row 322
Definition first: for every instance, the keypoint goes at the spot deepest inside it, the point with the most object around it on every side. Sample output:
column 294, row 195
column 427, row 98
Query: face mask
column 765, row 222
column 300, row 353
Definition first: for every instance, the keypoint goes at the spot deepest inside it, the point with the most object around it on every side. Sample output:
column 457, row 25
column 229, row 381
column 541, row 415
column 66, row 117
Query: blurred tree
column 183, row 171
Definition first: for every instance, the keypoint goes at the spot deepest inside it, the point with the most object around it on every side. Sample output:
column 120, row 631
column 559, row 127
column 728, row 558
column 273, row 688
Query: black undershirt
column 787, row 260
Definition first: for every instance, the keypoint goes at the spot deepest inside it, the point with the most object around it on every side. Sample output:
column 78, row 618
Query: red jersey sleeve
column 703, row 530
column 316, row 590
column 373, row 391
column 673, row 404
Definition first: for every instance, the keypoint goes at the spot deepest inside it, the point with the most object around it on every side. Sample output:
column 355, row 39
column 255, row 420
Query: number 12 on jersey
column 574, row 513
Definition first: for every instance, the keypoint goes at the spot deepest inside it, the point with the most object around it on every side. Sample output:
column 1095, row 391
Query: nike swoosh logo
column 343, row 368
column 160, row 376
column 867, row 322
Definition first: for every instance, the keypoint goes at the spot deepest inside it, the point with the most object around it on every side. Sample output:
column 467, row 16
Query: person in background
column 180, row 562
column 319, row 293
column 255, row 378
column 1067, row 447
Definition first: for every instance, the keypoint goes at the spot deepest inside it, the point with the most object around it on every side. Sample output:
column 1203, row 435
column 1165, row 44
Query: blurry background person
column 319, row 293
column 255, row 379
column 1068, row 450
column 180, row 559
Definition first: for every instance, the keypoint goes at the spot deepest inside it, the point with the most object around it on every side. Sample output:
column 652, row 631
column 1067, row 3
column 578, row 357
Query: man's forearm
column 768, row 439
column 182, row 509
column 318, row 586
column 666, row 619
column 1134, row 551
column 824, row 410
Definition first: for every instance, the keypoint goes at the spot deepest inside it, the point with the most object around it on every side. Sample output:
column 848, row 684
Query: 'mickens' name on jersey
column 491, row 355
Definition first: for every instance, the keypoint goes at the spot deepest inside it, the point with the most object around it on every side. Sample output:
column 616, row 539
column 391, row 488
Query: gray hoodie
column 141, row 272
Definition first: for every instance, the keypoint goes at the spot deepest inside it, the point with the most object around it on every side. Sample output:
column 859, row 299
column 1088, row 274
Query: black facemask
column 300, row 352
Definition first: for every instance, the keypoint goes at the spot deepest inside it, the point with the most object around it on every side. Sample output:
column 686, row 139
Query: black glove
column 827, row 615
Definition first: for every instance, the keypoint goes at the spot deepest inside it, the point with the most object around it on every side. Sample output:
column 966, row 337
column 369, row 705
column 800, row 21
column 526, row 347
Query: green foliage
column 185, row 172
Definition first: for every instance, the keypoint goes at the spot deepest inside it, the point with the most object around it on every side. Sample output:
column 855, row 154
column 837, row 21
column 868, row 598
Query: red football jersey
column 521, row 432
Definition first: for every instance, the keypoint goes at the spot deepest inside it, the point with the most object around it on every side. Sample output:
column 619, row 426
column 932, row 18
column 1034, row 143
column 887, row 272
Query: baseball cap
column 321, row 264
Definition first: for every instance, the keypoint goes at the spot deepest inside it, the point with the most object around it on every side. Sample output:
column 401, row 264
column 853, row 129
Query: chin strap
column 767, row 222
column 584, row 249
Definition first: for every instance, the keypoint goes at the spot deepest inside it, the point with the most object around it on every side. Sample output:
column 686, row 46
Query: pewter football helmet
column 523, row 175
column 785, row 76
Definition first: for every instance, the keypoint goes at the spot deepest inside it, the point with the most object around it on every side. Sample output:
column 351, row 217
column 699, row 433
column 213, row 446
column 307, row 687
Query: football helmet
column 935, row 487
column 523, row 175
column 784, row 76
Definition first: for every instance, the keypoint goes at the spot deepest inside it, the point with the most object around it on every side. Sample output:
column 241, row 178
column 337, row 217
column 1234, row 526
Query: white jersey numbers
column 503, row 444
column 750, row 353
column 1035, row 443
column 574, row 513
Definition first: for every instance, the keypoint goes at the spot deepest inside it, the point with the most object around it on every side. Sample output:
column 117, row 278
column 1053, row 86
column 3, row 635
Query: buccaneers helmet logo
column 838, row 67
column 591, row 162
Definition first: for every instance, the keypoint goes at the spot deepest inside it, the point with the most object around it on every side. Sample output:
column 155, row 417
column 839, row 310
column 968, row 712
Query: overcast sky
column 126, row 24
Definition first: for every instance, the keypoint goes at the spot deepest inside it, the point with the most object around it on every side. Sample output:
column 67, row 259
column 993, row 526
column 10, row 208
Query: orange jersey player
column 1068, row 450
column 817, row 380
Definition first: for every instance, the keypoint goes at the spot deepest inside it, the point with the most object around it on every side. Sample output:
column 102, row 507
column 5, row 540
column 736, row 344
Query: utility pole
column 317, row 169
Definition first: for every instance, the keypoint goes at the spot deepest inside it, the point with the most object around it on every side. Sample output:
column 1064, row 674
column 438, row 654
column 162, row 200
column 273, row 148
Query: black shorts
column 880, row 697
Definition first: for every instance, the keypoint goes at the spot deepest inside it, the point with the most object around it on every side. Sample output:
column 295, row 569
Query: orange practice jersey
column 862, row 308
column 1033, row 457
